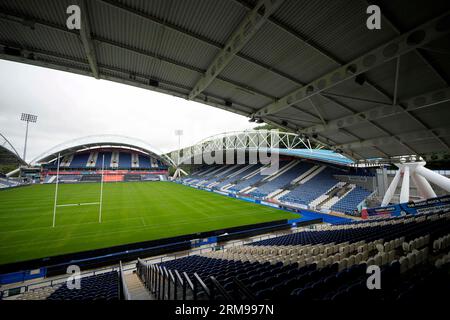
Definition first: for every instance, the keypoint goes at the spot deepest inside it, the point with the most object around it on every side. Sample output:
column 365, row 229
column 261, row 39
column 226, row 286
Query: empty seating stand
column 79, row 161
column 281, row 181
column 330, row 263
column 104, row 286
column 312, row 189
column 124, row 160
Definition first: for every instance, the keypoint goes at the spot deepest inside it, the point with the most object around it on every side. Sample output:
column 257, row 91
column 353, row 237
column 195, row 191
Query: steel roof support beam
column 86, row 39
column 247, row 28
column 406, row 137
column 419, row 54
column 370, row 122
column 309, row 43
column 271, row 19
column 182, row 65
column 402, row 44
column 211, row 101
column 195, row 36
column 414, row 103
column 95, row 39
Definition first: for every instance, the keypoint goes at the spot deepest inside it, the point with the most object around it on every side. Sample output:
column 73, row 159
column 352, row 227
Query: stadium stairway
column 262, row 179
column 253, row 177
column 114, row 163
column 66, row 161
column 136, row 288
column 134, row 160
column 276, row 185
column 92, row 160
column 302, row 178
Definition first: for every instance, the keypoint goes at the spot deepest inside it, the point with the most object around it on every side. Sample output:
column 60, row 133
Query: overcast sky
column 70, row 106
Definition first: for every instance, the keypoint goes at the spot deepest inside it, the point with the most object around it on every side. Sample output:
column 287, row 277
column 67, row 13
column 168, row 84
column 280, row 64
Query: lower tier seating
column 99, row 287
column 331, row 263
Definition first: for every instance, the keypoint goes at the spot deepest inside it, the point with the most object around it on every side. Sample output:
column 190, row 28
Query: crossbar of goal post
column 56, row 192
column 101, row 191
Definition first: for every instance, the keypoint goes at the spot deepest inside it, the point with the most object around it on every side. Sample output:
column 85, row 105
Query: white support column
column 404, row 192
column 434, row 177
column 390, row 191
column 423, row 186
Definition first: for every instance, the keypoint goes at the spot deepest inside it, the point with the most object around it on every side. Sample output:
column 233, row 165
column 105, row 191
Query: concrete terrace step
column 136, row 288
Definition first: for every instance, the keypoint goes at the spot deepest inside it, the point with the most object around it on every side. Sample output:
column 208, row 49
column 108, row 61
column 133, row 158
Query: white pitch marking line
column 78, row 204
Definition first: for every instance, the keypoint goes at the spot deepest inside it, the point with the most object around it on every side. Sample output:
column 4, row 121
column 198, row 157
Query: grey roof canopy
column 99, row 141
column 309, row 66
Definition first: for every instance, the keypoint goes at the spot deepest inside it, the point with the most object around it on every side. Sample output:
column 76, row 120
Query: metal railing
column 124, row 294
column 166, row 284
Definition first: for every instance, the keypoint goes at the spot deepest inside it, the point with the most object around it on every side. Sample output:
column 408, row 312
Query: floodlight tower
column 179, row 133
column 178, row 170
column 27, row 118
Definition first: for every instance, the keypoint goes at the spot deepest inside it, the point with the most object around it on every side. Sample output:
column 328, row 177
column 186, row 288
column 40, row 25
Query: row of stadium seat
column 104, row 286
column 8, row 183
column 117, row 160
column 302, row 184
column 331, row 263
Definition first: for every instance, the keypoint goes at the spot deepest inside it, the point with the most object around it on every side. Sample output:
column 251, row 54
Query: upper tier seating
column 350, row 202
column 282, row 180
column 99, row 162
column 255, row 179
column 144, row 162
column 124, row 160
column 99, row 287
column 312, row 189
column 79, row 160
column 304, row 183
column 237, row 178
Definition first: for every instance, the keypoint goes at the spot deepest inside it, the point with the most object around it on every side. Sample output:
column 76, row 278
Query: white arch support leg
column 390, row 191
column 404, row 193
column 423, row 186
column 434, row 177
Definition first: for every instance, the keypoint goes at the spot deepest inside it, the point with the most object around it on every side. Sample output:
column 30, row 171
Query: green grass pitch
column 132, row 212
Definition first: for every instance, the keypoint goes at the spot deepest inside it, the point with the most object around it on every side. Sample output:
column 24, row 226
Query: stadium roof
column 8, row 154
column 270, row 141
column 312, row 67
column 98, row 141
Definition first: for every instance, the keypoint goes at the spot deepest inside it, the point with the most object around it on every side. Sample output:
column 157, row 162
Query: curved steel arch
column 251, row 140
column 100, row 141
column 4, row 143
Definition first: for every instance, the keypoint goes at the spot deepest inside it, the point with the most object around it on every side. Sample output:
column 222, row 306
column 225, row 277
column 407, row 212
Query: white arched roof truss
column 97, row 141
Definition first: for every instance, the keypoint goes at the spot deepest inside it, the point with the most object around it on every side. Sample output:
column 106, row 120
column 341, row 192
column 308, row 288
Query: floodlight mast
column 179, row 133
column 178, row 170
column 27, row 118
column 56, row 191
column 101, row 192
